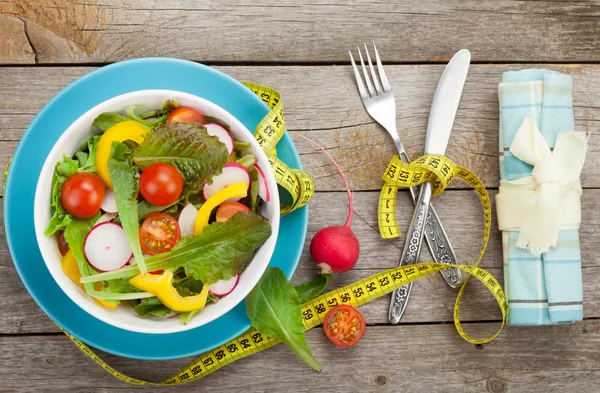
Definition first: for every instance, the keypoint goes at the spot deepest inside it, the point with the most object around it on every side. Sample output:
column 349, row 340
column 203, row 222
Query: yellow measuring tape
column 439, row 170
column 313, row 313
column 268, row 133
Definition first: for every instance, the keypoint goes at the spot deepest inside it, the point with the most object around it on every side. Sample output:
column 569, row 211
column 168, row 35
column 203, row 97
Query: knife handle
column 411, row 251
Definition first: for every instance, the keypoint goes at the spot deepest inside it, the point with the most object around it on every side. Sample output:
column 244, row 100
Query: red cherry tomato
column 344, row 326
column 161, row 184
column 63, row 246
column 229, row 209
column 82, row 195
column 159, row 233
column 185, row 115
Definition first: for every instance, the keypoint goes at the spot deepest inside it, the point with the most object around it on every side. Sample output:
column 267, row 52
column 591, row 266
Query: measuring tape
column 313, row 313
column 439, row 170
column 268, row 133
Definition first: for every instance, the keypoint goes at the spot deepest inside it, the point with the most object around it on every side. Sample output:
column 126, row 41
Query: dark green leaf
column 106, row 120
column 275, row 311
column 152, row 306
column 197, row 155
column 145, row 208
column 311, row 289
column 125, row 186
column 188, row 286
column 252, row 197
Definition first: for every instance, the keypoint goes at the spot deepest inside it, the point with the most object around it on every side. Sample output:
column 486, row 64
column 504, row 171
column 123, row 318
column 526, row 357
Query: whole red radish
column 335, row 249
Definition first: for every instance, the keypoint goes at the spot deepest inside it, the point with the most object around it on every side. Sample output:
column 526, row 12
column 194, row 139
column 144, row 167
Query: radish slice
column 106, row 247
column 263, row 190
column 109, row 203
column 187, row 220
column 232, row 173
column 224, row 287
column 220, row 132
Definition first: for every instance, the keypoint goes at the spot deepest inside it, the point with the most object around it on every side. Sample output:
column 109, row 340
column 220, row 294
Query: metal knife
column 441, row 117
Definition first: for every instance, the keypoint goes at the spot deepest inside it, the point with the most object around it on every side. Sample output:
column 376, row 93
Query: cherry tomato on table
column 229, row 209
column 161, row 184
column 82, row 195
column 344, row 326
column 159, row 233
column 185, row 115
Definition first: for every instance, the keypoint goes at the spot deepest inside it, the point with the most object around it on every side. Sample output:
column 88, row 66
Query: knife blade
column 441, row 118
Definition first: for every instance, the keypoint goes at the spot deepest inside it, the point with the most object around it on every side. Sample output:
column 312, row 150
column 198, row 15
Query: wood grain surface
column 301, row 49
column 290, row 31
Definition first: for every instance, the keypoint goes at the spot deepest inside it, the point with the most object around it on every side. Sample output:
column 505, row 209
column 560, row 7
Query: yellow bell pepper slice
column 129, row 129
column 237, row 190
column 161, row 286
column 71, row 269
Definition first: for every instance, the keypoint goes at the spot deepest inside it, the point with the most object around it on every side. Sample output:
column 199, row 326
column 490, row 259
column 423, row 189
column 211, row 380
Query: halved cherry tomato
column 344, row 326
column 82, row 195
column 185, row 115
column 229, row 209
column 159, row 233
column 63, row 246
column 161, row 184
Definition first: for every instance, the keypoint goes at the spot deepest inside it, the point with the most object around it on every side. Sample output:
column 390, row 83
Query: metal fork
column 381, row 106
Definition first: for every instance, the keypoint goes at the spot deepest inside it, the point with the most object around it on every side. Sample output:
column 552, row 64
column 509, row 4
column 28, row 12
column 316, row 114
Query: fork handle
column 411, row 251
column 437, row 239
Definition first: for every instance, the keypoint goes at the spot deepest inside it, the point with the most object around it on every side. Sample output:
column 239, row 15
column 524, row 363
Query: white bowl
column 124, row 316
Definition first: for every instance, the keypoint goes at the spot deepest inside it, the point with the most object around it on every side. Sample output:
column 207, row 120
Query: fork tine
column 359, row 82
column 384, row 81
column 366, row 75
column 373, row 74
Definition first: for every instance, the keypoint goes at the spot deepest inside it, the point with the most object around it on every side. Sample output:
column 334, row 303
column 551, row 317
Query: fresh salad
column 158, row 211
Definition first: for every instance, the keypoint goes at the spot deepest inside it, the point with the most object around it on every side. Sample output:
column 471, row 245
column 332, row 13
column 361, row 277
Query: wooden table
column 302, row 50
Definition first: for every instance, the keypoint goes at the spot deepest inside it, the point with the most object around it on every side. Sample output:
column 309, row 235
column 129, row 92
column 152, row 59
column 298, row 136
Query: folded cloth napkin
column 545, row 289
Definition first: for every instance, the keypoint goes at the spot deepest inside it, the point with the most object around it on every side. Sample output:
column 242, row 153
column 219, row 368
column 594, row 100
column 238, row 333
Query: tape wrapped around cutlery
column 547, row 201
column 439, row 170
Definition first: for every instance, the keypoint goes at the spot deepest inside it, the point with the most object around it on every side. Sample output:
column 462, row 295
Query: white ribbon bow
column 549, row 200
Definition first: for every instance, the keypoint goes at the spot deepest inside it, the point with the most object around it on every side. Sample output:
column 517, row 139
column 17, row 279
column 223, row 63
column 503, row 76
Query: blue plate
column 44, row 131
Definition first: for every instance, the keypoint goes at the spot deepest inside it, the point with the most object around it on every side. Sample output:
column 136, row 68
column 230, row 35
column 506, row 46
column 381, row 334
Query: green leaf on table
column 125, row 186
column 197, row 155
column 275, row 311
column 106, row 120
column 219, row 253
column 311, row 289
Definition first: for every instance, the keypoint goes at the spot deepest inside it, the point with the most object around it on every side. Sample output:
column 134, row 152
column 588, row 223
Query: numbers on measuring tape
column 268, row 133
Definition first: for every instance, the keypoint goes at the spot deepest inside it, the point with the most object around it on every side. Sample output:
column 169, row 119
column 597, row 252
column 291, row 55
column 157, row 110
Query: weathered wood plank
column 62, row 31
column 430, row 358
column 431, row 301
column 324, row 103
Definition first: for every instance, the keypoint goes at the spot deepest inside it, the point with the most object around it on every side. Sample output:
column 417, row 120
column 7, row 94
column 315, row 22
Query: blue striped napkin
column 547, row 289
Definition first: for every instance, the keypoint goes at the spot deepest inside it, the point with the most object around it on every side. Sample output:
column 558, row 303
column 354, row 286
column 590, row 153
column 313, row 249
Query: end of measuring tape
column 268, row 133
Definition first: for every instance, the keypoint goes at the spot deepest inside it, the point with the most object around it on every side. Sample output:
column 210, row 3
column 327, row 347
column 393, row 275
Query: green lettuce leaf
column 311, row 289
column 125, row 186
column 151, row 306
column 197, row 155
column 106, row 120
column 275, row 311
column 219, row 253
